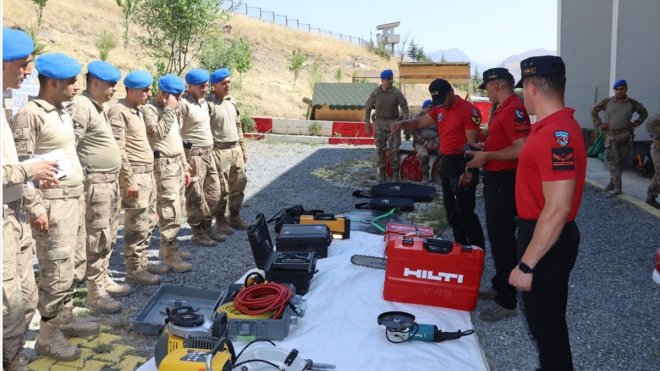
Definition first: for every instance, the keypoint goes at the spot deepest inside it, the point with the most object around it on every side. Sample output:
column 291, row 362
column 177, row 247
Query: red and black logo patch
column 563, row 159
column 521, row 122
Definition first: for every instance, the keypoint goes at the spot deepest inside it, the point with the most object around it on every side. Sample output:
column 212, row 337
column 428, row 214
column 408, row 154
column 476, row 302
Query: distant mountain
column 511, row 62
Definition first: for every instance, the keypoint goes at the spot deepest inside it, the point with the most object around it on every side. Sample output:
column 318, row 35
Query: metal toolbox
column 150, row 320
column 271, row 329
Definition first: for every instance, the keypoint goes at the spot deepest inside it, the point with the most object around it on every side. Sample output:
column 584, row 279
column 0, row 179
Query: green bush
column 104, row 43
column 314, row 129
column 380, row 51
column 247, row 123
column 235, row 54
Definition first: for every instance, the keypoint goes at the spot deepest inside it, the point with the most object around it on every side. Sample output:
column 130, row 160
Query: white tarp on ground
column 340, row 325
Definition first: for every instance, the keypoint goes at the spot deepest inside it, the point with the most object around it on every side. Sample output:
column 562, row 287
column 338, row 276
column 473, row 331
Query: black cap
column 439, row 89
column 497, row 73
column 545, row 65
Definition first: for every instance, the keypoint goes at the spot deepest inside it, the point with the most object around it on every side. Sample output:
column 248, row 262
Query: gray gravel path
column 613, row 309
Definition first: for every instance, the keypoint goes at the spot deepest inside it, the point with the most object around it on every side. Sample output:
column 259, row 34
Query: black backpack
column 388, row 203
column 416, row 192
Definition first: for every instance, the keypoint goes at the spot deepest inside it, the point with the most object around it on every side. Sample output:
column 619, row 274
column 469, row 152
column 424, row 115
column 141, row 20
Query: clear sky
column 486, row 30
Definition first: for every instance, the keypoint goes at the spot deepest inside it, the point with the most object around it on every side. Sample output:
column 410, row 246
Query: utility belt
column 617, row 131
column 199, row 151
column 167, row 160
column 11, row 208
column 62, row 192
column 224, row 145
column 141, row 169
column 95, row 178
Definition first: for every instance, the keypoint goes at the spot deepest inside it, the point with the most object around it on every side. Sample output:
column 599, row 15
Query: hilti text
column 432, row 276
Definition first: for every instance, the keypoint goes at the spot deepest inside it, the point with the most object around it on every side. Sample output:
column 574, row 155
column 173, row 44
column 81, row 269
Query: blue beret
column 16, row 44
column 387, row 74
column 104, row 71
column 426, row 103
column 197, row 76
column 620, row 83
column 171, row 84
column 57, row 66
column 138, row 79
column 219, row 75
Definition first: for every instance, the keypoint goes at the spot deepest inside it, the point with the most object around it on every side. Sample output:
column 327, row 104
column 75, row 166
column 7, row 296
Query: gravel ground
column 613, row 303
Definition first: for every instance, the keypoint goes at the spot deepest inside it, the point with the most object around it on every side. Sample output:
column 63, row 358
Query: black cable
column 277, row 367
column 252, row 342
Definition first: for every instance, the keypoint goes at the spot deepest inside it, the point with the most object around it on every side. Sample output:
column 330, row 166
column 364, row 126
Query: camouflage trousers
column 61, row 250
column 19, row 288
column 139, row 215
column 204, row 191
column 617, row 149
column 422, row 153
column 384, row 139
column 170, row 197
column 654, row 187
column 101, row 222
column 231, row 170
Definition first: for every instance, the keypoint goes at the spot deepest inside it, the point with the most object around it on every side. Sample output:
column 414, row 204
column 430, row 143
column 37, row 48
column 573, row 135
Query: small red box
column 396, row 231
column 433, row 272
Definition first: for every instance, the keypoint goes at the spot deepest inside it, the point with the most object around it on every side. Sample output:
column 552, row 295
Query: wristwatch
column 525, row 268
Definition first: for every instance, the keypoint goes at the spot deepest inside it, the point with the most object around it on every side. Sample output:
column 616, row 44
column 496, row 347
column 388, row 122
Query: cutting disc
column 398, row 321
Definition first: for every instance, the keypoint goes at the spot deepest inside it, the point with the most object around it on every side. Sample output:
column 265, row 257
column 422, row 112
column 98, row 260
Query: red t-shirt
column 510, row 121
column 452, row 122
column 554, row 150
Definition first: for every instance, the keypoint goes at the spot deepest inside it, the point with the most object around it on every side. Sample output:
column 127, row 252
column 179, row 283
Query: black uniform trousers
column 460, row 203
column 500, row 198
column 545, row 305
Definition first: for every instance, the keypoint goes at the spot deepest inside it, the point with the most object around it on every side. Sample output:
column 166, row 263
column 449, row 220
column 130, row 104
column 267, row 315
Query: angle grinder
column 401, row 327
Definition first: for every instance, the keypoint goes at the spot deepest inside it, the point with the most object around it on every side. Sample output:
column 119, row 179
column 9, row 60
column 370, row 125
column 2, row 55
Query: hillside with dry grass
column 72, row 27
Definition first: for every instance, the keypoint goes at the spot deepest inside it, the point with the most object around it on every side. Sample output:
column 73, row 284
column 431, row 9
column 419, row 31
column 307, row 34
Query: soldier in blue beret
column 618, row 127
column 161, row 118
column 386, row 100
column 136, row 179
column 44, row 128
column 230, row 153
column 99, row 155
column 204, row 192
column 19, row 288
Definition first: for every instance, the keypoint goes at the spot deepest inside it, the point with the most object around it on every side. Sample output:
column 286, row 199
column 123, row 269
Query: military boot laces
column 222, row 226
column 157, row 267
column 201, row 236
column 115, row 289
column 71, row 325
column 236, row 222
column 51, row 342
column 98, row 299
column 173, row 260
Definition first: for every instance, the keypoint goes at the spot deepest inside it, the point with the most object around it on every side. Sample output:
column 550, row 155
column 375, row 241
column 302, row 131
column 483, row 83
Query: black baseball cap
column 545, row 65
column 498, row 73
column 439, row 88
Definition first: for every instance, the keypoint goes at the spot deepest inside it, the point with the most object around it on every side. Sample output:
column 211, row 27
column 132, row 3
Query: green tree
column 41, row 4
column 104, row 43
column 339, row 74
column 296, row 64
column 128, row 8
column 476, row 79
column 177, row 29
column 235, row 54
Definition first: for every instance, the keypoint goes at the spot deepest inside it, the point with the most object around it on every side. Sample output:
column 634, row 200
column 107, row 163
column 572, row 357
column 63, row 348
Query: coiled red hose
column 257, row 299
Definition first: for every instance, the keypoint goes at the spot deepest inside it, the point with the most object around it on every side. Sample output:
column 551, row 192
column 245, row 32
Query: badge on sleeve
column 476, row 116
column 520, row 121
column 439, row 117
column 563, row 159
column 561, row 137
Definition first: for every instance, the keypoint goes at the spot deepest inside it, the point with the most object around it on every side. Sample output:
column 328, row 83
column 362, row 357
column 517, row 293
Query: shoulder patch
column 476, row 116
column 563, row 159
column 561, row 137
column 520, row 121
column 439, row 117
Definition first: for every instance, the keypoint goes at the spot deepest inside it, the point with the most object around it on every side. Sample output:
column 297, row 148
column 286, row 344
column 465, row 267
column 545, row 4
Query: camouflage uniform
column 204, row 191
column 229, row 150
column 19, row 288
column 618, row 137
column 425, row 140
column 137, row 169
column 386, row 104
column 653, row 127
column 40, row 128
column 99, row 155
column 162, row 126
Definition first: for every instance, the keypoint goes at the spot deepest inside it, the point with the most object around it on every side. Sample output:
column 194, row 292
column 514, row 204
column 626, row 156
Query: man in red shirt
column 507, row 130
column 457, row 122
column 549, row 185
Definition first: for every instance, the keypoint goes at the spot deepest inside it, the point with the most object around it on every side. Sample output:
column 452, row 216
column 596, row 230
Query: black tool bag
column 290, row 215
column 388, row 203
column 416, row 192
column 260, row 241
